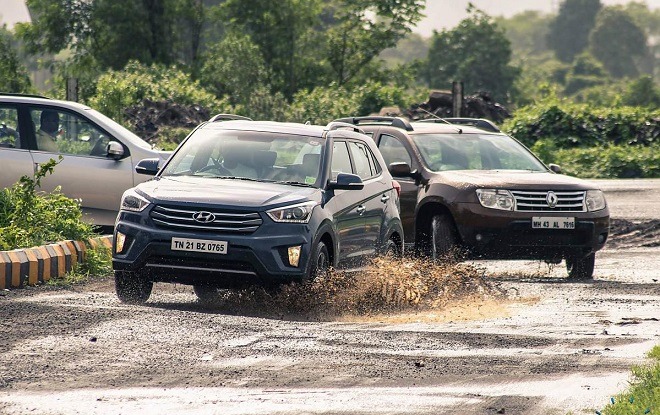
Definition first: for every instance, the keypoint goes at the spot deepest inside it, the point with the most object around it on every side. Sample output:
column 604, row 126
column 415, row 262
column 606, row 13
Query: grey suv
column 99, row 155
column 255, row 203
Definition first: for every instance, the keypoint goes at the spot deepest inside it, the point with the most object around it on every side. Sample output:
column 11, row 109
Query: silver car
column 99, row 155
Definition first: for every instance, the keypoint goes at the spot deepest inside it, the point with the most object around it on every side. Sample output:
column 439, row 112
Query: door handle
column 384, row 198
column 361, row 209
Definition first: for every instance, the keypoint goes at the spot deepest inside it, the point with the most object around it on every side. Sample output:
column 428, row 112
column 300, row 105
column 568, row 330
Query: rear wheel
column 320, row 262
column 443, row 244
column 581, row 268
column 132, row 287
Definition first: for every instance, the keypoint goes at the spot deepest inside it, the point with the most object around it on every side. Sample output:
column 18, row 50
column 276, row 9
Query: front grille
column 537, row 201
column 224, row 221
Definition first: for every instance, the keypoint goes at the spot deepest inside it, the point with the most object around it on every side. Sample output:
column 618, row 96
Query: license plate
column 553, row 222
column 199, row 245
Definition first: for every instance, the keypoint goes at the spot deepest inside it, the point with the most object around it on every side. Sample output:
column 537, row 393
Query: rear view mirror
column 399, row 169
column 347, row 181
column 147, row 166
column 115, row 150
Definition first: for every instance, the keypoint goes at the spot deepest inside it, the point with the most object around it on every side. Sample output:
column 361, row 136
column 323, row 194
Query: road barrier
column 32, row 266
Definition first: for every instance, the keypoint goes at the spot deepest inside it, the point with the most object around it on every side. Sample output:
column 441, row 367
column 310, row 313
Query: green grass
column 98, row 263
column 643, row 395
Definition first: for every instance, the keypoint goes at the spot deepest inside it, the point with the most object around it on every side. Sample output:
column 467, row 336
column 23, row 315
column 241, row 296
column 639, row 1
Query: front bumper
column 494, row 234
column 259, row 258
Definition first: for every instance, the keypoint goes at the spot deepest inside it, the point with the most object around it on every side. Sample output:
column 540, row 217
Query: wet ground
column 521, row 340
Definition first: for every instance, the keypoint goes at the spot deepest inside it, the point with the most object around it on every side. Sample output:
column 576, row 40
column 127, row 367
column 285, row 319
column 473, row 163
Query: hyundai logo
column 551, row 199
column 204, row 217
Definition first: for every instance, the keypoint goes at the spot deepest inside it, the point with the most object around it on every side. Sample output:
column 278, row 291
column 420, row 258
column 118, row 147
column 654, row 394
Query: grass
column 643, row 395
column 97, row 263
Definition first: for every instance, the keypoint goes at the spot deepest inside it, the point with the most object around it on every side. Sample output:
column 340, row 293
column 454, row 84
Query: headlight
column 133, row 202
column 299, row 213
column 496, row 199
column 595, row 200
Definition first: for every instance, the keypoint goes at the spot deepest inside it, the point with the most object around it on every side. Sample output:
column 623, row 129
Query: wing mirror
column 555, row 168
column 347, row 181
column 115, row 150
column 399, row 169
column 147, row 166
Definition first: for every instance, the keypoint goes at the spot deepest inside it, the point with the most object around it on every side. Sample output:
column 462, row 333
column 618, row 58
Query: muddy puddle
column 388, row 289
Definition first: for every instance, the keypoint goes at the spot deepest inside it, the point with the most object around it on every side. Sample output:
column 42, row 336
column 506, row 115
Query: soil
column 485, row 337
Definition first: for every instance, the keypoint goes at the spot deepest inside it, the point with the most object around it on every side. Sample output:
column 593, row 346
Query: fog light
column 294, row 255
column 120, row 240
column 478, row 237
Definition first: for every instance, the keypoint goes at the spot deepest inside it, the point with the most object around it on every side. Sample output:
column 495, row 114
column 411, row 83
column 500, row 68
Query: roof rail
column 229, row 117
column 480, row 123
column 393, row 121
column 335, row 125
column 13, row 94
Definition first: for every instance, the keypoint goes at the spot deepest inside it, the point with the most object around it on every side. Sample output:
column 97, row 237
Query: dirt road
column 546, row 347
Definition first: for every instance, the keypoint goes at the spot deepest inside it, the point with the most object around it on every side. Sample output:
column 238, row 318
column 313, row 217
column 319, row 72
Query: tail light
column 397, row 187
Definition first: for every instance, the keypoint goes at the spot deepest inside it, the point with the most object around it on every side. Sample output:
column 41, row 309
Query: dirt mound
column 150, row 117
column 385, row 286
column 440, row 104
column 637, row 234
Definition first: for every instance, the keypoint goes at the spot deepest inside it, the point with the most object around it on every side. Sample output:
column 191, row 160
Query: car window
column 9, row 136
column 67, row 133
column 393, row 150
column 341, row 161
column 361, row 160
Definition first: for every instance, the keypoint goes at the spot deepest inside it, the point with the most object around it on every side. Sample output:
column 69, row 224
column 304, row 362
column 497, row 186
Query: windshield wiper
column 295, row 183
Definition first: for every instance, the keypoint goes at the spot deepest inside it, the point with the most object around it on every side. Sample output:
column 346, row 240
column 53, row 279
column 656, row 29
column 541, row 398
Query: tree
column 527, row 32
column 618, row 42
column 476, row 52
column 569, row 31
column 585, row 72
column 13, row 75
column 642, row 92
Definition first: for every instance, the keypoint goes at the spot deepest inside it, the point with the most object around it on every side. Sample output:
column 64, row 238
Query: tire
column 132, row 287
column 207, row 294
column 319, row 262
column 392, row 249
column 443, row 244
column 581, row 268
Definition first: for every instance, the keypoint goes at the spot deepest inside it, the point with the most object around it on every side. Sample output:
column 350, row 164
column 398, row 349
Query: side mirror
column 399, row 169
column 555, row 168
column 347, row 181
column 115, row 150
column 147, row 166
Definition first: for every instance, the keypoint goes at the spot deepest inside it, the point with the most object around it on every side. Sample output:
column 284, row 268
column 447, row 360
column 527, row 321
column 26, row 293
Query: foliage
column 98, row 262
column 643, row 395
column 579, row 125
column 569, row 32
column 527, row 32
column 234, row 68
column 264, row 105
column 602, row 161
column 13, row 75
column 618, row 42
column 413, row 47
column 29, row 217
column 117, row 90
column 476, row 52
column 642, row 92
column 586, row 72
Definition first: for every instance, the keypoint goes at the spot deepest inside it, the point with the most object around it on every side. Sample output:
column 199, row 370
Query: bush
column 577, row 125
column 607, row 161
column 30, row 218
column 118, row 90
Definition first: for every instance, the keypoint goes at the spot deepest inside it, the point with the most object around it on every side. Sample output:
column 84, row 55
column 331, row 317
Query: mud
column 634, row 234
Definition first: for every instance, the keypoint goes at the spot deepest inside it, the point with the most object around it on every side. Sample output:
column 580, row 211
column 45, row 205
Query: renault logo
column 204, row 217
column 551, row 199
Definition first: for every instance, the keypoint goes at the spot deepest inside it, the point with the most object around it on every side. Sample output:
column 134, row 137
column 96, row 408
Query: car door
column 393, row 150
column 372, row 197
column 15, row 158
column 85, row 172
column 347, row 209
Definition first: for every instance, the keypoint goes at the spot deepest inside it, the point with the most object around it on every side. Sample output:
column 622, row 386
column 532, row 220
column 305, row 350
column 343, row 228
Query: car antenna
column 460, row 131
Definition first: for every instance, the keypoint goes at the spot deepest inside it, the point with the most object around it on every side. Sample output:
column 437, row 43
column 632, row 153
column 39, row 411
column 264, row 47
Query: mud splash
column 387, row 286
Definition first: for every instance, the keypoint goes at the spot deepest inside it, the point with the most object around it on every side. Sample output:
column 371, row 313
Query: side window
column 393, row 150
column 67, row 133
column 361, row 160
column 9, row 136
column 341, row 162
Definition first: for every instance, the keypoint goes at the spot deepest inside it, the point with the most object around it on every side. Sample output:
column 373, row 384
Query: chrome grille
column 537, row 201
column 224, row 221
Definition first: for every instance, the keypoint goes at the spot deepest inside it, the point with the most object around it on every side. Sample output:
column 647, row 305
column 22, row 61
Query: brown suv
column 483, row 192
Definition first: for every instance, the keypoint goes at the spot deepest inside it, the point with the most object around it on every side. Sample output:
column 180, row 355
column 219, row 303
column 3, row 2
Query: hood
column 226, row 192
column 510, row 180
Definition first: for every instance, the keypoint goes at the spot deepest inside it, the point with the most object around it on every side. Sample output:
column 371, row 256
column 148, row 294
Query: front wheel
column 132, row 287
column 320, row 262
column 443, row 239
column 581, row 268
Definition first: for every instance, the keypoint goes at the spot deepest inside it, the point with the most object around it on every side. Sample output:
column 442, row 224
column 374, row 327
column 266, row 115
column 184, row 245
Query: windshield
column 442, row 152
column 249, row 155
